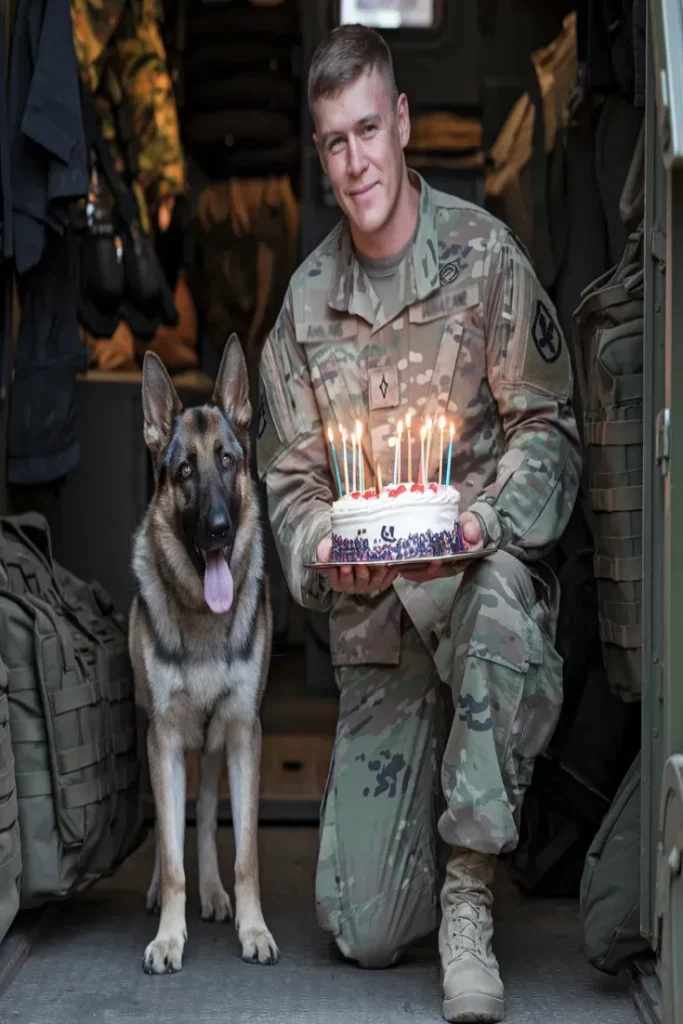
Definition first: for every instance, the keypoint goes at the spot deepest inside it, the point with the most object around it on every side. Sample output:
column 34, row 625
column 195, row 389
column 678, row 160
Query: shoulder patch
column 545, row 333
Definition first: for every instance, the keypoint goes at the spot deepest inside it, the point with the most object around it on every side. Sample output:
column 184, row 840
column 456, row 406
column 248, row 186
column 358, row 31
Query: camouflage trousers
column 434, row 753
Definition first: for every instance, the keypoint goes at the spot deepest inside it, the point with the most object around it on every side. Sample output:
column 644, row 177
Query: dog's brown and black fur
column 200, row 674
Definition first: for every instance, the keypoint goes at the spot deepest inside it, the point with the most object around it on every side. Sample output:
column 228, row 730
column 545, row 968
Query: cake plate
column 424, row 562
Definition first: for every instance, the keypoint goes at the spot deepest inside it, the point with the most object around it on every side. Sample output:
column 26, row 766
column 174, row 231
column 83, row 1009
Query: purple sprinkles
column 417, row 545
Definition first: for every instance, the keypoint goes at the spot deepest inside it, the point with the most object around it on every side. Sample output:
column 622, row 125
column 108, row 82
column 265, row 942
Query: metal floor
column 86, row 963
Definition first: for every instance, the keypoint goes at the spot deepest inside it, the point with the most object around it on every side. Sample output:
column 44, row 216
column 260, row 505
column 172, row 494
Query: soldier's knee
column 369, row 950
column 502, row 574
column 376, row 933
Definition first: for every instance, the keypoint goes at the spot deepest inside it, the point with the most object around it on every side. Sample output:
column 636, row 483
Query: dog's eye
column 226, row 460
column 185, row 470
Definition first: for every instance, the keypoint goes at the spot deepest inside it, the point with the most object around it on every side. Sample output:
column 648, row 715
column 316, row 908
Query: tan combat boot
column 472, row 989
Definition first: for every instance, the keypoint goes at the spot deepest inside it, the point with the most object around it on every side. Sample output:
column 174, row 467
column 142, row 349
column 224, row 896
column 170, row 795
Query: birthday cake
column 401, row 522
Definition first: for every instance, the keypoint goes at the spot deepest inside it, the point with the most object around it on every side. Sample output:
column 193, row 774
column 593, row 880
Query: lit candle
column 392, row 444
column 330, row 435
column 378, row 479
column 410, row 449
column 442, row 424
column 423, row 435
column 399, row 432
column 353, row 461
column 429, row 449
column 450, row 456
column 361, row 461
column 345, row 457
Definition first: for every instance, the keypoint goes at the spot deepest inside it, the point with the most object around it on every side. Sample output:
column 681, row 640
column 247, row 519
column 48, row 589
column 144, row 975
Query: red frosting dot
column 356, row 494
column 370, row 494
column 393, row 493
column 434, row 488
column 401, row 490
column 418, row 487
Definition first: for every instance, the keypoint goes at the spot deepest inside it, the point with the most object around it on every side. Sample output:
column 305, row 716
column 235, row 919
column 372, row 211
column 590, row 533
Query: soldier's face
column 360, row 139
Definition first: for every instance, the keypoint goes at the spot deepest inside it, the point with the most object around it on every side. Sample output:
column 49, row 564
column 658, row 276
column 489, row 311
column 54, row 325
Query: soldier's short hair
column 343, row 56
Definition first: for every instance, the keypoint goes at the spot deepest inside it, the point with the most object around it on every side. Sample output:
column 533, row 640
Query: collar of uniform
column 350, row 290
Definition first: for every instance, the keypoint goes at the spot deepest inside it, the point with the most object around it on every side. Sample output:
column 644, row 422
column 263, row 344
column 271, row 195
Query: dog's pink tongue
column 217, row 582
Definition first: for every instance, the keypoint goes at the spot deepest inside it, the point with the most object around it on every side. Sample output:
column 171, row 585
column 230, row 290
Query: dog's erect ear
column 231, row 392
column 160, row 402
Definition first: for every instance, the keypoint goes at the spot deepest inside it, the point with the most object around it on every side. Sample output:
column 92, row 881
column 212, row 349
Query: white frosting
column 385, row 518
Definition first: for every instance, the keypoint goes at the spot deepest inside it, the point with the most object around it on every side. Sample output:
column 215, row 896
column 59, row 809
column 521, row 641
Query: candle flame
column 452, row 430
column 399, row 427
column 392, row 442
column 423, row 433
column 442, row 422
column 408, row 420
column 359, row 429
column 429, row 423
column 341, row 430
column 330, row 435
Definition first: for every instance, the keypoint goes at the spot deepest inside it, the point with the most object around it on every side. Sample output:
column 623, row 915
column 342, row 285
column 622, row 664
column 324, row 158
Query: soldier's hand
column 355, row 579
column 474, row 541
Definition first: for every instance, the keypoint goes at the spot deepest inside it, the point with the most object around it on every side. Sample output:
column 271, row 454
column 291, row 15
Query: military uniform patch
column 383, row 387
column 449, row 272
column 546, row 335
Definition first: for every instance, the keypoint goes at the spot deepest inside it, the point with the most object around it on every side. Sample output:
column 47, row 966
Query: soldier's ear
column 160, row 403
column 231, row 392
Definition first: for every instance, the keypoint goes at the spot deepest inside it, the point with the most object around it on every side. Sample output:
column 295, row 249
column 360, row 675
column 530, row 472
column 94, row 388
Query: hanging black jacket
column 42, row 134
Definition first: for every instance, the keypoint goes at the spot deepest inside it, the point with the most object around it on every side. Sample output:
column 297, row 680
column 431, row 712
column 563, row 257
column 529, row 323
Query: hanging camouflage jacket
column 120, row 40
column 472, row 335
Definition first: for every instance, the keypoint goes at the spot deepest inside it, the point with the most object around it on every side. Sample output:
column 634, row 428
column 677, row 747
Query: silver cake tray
column 425, row 561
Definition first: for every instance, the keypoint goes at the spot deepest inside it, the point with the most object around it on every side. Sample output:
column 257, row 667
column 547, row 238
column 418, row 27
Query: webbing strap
column 29, row 730
column 9, row 811
column 620, row 569
column 32, row 784
column 79, row 794
column 73, row 697
column 21, row 678
column 616, row 499
column 619, row 635
column 613, row 432
column 10, row 871
column 7, row 783
column 75, row 758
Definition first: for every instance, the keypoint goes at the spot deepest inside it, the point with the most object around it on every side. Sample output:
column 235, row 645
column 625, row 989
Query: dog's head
column 201, row 465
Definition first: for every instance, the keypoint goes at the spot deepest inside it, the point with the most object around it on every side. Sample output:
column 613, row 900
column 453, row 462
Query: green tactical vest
column 609, row 324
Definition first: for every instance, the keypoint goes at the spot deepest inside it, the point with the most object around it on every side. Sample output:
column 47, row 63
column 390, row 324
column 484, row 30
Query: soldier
column 449, row 684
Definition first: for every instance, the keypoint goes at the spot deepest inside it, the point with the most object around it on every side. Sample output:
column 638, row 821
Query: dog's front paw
column 258, row 946
column 164, row 956
column 215, row 904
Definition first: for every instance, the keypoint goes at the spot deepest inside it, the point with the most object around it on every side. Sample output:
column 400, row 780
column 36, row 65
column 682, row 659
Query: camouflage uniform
column 449, row 689
column 122, row 38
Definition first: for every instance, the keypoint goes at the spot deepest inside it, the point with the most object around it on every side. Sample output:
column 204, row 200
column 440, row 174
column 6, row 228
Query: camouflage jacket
column 123, row 38
column 475, row 336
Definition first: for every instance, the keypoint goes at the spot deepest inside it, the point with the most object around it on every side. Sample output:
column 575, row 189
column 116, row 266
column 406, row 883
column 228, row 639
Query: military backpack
column 609, row 323
column 72, row 718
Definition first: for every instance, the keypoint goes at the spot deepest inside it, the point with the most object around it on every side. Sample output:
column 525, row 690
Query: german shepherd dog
column 200, row 642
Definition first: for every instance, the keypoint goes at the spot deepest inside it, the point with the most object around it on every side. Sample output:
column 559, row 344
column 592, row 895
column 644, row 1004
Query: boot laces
column 464, row 932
